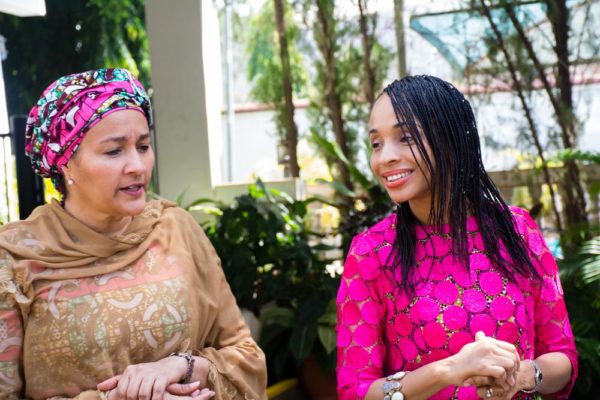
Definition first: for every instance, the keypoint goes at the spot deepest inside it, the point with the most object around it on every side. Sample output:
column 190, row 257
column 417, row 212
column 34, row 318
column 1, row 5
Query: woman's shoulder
column 373, row 237
column 523, row 220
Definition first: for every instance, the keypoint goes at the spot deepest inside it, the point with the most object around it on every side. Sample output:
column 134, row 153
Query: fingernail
column 204, row 390
column 196, row 393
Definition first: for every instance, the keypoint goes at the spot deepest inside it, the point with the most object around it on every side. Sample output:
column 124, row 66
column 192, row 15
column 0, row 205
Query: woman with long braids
column 454, row 295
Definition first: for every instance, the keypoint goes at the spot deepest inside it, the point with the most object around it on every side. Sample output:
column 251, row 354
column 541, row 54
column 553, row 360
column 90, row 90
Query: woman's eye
column 406, row 139
column 113, row 152
column 143, row 148
column 375, row 145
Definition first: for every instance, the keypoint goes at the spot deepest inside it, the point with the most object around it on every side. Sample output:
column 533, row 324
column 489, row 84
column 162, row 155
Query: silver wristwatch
column 538, row 377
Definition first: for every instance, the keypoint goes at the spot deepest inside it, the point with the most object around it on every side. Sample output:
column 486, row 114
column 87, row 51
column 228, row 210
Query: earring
column 70, row 181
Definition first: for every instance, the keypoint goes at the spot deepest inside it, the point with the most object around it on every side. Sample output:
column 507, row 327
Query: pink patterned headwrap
column 71, row 106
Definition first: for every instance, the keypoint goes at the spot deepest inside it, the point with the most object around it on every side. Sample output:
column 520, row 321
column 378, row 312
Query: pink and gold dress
column 381, row 330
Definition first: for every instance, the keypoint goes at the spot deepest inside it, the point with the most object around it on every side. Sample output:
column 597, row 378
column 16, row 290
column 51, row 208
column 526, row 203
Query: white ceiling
column 23, row 8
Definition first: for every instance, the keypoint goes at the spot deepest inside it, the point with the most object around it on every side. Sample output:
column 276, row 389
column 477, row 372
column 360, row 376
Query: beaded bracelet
column 392, row 386
column 190, row 365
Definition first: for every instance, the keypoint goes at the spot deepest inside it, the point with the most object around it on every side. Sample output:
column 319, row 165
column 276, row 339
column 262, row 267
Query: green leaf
column 278, row 316
column 302, row 341
column 339, row 188
column 327, row 337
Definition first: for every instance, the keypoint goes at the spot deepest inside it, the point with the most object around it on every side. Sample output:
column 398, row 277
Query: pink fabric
column 381, row 331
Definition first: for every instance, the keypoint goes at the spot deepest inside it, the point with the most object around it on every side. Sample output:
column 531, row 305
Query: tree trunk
column 559, row 18
column 401, row 49
column 326, row 45
column 572, row 188
column 528, row 114
column 291, row 130
column 367, row 44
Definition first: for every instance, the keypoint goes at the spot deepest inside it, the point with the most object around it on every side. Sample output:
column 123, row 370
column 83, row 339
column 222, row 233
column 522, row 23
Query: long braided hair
column 436, row 113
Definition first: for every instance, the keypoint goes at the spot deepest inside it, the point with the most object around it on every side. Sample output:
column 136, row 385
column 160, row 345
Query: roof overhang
column 23, row 8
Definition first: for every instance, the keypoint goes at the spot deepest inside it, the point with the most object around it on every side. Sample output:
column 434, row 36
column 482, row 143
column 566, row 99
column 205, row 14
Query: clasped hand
column 155, row 380
column 489, row 364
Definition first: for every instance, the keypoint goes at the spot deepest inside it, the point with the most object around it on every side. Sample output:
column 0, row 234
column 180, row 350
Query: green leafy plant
column 276, row 269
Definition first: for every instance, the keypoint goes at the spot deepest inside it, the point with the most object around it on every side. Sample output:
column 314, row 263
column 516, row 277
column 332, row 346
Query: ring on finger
column 489, row 393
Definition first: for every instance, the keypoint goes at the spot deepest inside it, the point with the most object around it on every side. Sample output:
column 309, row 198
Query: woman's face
column 112, row 167
column 403, row 174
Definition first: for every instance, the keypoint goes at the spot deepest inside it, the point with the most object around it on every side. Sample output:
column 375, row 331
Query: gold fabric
column 77, row 307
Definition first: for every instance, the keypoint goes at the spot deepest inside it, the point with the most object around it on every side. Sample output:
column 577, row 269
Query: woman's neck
column 108, row 225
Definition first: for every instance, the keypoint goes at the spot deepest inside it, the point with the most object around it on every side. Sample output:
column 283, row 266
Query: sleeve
column 552, row 327
column 11, row 331
column 238, row 366
column 361, row 322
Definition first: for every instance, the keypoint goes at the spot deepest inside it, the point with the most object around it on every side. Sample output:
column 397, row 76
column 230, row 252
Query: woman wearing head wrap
column 105, row 295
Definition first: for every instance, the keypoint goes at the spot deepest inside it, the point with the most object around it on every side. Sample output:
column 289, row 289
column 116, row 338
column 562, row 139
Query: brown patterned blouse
column 77, row 307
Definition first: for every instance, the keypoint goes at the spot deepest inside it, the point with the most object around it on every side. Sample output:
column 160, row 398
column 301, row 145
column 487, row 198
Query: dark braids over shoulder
column 435, row 112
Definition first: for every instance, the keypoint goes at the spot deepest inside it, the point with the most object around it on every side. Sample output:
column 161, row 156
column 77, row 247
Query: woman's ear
column 67, row 175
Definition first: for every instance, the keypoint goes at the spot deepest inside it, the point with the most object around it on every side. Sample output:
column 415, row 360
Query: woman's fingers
column 491, row 392
column 133, row 389
column 479, row 381
column 183, row 389
column 108, row 384
column 204, row 394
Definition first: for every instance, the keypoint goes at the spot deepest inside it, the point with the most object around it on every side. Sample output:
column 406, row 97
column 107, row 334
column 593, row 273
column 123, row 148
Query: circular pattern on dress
column 371, row 312
column 508, row 332
column 479, row 261
column 402, row 324
column 364, row 244
column 490, row 283
column 357, row 357
column 423, row 289
column 350, row 313
column 514, row 292
column 383, row 254
column 501, row 308
column 368, row 269
column 446, row 292
column 344, row 336
column 357, row 290
column 396, row 359
column 402, row 300
column 521, row 316
column 462, row 277
column 434, row 335
column 425, row 309
column 378, row 355
column 536, row 244
column 551, row 333
column 543, row 313
column 350, row 266
column 559, row 311
column 455, row 317
column 458, row 340
column 365, row 335
column 473, row 300
column 346, row 376
column 408, row 349
column 418, row 339
column 342, row 292
column 483, row 322
column 549, row 292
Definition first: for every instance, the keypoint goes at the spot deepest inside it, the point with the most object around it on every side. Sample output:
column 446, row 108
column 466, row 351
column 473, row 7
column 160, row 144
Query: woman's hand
column 524, row 380
column 488, row 358
column 177, row 391
column 150, row 380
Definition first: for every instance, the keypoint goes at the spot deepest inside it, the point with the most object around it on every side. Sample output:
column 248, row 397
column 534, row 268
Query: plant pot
column 318, row 384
